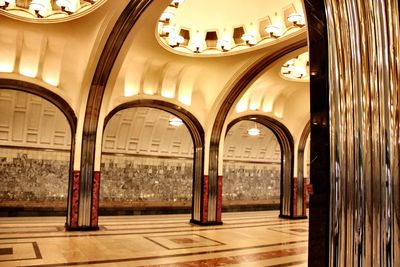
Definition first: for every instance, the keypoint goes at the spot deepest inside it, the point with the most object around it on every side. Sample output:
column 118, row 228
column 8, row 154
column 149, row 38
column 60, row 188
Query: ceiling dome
column 220, row 27
column 47, row 11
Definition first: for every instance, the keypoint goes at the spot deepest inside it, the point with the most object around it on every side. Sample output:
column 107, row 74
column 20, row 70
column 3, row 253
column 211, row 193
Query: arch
column 197, row 133
column 301, row 206
column 214, row 207
column 62, row 105
column 87, row 185
column 286, row 143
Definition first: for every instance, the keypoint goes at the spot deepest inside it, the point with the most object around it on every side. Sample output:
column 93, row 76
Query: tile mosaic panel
column 134, row 178
column 251, row 181
column 33, row 175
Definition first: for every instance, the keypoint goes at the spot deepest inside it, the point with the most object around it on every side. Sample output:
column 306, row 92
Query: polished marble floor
column 245, row 239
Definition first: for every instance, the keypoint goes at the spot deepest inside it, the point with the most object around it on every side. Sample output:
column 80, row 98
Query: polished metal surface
column 300, row 170
column 364, row 117
column 106, row 61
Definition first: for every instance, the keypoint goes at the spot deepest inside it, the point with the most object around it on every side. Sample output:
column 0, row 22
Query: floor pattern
column 245, row 239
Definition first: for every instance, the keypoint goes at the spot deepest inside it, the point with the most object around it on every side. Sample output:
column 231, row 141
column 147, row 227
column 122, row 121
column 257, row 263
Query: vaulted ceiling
column 63, row 56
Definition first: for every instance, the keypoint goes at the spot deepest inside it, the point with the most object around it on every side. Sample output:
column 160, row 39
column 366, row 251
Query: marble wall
column 33, row 175
column 249, row 181
column 133, row 178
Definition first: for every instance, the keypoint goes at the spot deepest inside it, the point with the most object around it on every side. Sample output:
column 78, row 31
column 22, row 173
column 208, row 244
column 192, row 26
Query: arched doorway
column 286, row 144
column 251, row 168
column 178, row 159
column 37, row 144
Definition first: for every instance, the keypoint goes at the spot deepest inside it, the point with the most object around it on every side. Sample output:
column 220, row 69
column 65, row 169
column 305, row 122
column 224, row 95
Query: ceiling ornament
column 187, row 40
column 297, row 68
column 47, row 10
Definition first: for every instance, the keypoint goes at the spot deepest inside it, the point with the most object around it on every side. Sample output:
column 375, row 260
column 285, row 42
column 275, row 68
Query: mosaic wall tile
column 131, row 179
column 251, row 181
column 33, row 175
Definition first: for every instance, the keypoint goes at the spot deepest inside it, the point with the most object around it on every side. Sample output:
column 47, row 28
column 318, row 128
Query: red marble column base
column 305, row 203
column 204, row 212
column 294, row 215
column 95, row 200
column 219, row 199
column 73, row 223
column 294, row 197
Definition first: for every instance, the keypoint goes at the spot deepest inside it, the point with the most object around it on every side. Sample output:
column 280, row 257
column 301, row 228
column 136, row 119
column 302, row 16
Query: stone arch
column 214, row 207
column 285, row 140
column 63, row 106
column 197, row 133
column 88, row 186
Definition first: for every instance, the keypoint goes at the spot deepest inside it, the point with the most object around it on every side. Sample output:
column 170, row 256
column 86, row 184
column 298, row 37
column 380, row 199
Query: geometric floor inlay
column 6, row 251
column 183, row 241
column 19, row 251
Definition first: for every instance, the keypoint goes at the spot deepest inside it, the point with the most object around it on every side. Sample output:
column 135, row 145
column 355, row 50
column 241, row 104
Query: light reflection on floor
column 245, row 239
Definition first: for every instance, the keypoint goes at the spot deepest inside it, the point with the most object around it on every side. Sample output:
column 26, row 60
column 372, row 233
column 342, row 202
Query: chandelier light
column 176, row 3
column 197, row 44
column 46, row 8
column 273, row 30
column 296, row 19
column 175, row 122
column 166, row 16
column 175, row 40
column 199, row 40
column 249, row 38
column 224, row 44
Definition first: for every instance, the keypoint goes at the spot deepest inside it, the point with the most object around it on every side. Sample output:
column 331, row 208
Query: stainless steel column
column 363, row 41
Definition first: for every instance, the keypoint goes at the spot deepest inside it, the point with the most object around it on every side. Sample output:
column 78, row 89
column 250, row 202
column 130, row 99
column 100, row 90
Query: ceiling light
column 224, row 44
column 166, row 16
column 253, row 131
column 40, row 7
column 166, row 30
column 197, row 44
column 176, row 3
column 175, row 122
column 273, row 30
column 65, row 6
column 249, row 38
column 296, row 19
column 176, row 40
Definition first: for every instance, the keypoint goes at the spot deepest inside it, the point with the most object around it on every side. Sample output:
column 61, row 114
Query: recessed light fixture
column 253, row 131
column 175, row 121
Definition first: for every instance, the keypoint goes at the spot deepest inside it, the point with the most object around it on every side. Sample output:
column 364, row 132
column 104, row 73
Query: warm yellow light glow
column 241, row 106
column 6, row 67
column 130, row 91
column 267, row 107
column 185, row 100
column 28, row 72
column 278, row 114
column 51, row 81
column 149, row 92
column 167, row 93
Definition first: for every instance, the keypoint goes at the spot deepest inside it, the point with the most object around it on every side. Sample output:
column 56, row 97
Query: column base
column 292, row 217
column 204, row 223
column 75, row 229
